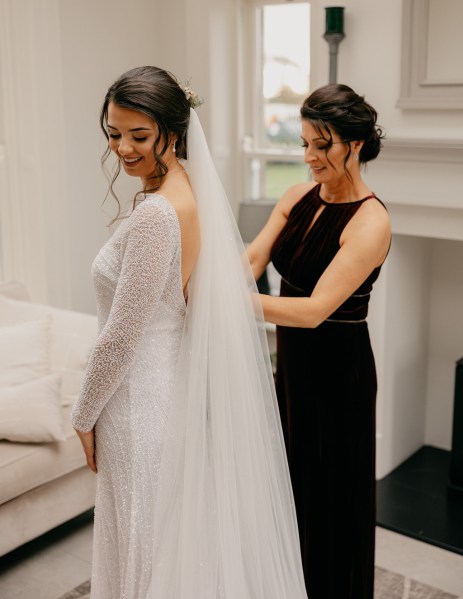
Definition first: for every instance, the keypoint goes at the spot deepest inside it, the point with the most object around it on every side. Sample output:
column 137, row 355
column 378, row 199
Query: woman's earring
column 356, row 156
column 173, row 147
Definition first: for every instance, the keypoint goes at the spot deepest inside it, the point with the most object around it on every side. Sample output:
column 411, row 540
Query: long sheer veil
column 225, row 524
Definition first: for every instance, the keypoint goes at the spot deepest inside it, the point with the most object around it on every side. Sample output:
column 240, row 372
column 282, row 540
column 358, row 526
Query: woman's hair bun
column 338, row 107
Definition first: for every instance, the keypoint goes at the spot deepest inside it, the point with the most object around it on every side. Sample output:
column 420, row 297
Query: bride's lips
column 131, row 162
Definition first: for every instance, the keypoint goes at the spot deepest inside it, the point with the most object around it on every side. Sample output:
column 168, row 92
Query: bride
column 177, row 413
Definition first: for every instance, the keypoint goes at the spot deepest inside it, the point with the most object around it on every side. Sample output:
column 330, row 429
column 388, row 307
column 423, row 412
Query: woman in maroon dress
column 328, row 239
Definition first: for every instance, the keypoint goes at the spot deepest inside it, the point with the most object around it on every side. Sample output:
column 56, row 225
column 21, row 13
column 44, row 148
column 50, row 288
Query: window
column 272, row 147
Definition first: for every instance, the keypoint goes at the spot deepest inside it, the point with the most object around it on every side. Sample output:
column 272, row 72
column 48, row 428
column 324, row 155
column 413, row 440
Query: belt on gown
column 353, row 311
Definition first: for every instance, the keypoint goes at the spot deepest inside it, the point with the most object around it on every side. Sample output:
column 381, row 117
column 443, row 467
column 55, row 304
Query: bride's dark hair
column 156, row 93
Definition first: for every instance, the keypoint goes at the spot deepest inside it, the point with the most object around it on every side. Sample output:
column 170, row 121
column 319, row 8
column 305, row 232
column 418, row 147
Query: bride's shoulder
column 153, row 212
column 177, row 206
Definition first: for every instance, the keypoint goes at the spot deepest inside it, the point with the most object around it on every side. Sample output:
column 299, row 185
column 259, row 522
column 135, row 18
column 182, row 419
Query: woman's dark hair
column 338, row 107
column 157, row 94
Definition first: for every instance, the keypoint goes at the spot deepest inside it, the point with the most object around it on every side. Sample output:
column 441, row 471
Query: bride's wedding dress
column 194, row 499
column 128, row 389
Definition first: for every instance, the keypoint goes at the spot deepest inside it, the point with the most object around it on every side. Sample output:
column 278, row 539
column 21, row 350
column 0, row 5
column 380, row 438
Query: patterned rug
column 80, row 592
column 388, row 585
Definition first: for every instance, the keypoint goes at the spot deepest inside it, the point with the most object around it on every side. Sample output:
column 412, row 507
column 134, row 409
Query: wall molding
column 418, row 92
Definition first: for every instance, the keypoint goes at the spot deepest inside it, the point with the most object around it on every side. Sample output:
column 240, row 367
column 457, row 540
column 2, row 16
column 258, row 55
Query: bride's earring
column 173, row 147
column 356, row 156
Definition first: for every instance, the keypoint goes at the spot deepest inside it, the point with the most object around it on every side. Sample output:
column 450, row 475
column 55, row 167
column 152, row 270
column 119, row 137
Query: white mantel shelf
column 421, row 182
column 423, row 150
column 433, row 222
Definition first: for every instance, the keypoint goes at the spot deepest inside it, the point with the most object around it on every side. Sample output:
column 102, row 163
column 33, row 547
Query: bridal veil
column 225, row 524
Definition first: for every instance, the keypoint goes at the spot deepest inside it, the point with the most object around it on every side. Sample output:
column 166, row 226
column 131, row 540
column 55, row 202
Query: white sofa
column 43, row 485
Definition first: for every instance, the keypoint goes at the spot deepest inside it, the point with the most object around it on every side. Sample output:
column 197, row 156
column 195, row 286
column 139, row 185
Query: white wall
column 444, row 40
column 34, row 218
column 205, row 50
column 57, row 58
column 99, row 41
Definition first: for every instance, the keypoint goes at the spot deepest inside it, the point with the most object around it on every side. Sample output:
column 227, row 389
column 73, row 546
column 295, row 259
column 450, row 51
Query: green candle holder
column 334, row 35
column 334, row 17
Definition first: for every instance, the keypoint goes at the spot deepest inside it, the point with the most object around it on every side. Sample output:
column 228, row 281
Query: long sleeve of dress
column 152, row 239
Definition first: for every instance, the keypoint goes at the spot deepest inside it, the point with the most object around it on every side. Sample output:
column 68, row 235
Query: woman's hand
column 88, row 443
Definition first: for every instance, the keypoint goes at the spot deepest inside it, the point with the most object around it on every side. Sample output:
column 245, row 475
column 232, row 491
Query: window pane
column 286, row 71
column 279, row 176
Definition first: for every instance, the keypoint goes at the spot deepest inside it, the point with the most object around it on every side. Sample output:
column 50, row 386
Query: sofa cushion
column 14, row 290
column 24, row 351
column 25, row 466
column 31, row 412
column 72, row 337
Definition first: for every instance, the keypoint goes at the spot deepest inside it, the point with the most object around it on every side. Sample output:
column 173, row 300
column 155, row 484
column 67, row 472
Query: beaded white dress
column 194, row 498
column 128, row 389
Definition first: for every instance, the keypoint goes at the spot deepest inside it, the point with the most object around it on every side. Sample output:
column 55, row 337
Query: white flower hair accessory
column 193, row 98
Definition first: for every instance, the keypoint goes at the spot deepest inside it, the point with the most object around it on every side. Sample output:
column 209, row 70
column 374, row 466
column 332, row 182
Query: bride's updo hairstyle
column 339, row 108
column 157, row 94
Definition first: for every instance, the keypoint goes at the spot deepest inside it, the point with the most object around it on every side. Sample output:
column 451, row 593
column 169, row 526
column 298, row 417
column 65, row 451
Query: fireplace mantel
column 423, row 150
column 421, row 182
column 415, row 317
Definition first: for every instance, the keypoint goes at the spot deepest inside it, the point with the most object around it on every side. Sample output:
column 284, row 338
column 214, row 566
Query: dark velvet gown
column 326, row 387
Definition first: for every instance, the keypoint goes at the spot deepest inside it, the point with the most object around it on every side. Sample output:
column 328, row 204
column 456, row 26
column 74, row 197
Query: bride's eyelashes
column 117, row 136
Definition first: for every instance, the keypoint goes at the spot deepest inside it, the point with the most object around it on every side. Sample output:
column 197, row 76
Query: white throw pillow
column 24, row 352
column 72, row 337
column 31, row 412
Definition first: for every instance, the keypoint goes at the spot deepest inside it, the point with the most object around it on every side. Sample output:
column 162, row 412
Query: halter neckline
column 325, row 203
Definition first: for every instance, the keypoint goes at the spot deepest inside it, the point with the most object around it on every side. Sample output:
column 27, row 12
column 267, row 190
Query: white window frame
column 252, row 143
